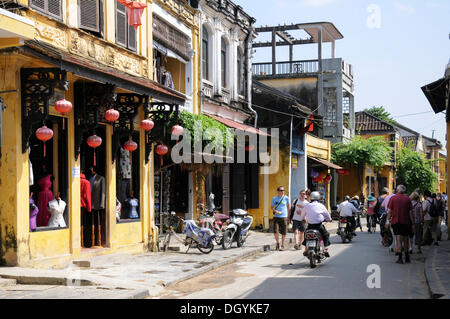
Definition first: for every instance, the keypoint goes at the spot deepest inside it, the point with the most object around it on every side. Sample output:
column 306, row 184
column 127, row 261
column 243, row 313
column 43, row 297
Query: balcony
column 286, row 68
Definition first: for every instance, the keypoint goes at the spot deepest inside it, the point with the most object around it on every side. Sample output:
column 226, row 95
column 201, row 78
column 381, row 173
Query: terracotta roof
column 237, row 125
column 366, row 122
column 410, row 141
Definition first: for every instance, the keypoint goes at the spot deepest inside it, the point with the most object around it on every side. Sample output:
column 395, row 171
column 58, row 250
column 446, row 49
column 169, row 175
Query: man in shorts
column 401, row 217
column 298, row 223
column 280, row 206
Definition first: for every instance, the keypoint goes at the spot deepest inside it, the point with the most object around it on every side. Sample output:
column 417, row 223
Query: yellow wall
column 443, row 174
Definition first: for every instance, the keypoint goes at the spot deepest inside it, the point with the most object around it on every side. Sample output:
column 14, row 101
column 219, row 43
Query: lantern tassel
column 44, row 150
column 64, row 121
column 95, row 160
column 131, row 158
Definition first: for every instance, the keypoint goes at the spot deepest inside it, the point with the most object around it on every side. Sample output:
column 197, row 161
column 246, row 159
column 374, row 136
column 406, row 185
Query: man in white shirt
column 298, row 223
column 346, row 209
column 314, row 214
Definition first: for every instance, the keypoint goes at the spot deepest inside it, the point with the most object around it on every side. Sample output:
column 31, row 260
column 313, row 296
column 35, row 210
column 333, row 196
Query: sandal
column 282, row 248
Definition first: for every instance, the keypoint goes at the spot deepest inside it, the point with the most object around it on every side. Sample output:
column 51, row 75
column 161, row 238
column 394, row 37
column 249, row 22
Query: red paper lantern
column 63, row 106
column 44, row 134
column 134, row 11
column 162, row 149
column 177, row 130
column 112, row 115
column 130, row 146
column 147, row 125
column 94, row 141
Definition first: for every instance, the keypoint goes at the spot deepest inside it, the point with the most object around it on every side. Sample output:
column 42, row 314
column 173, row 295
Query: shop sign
column 294, row 161
column 75, row 172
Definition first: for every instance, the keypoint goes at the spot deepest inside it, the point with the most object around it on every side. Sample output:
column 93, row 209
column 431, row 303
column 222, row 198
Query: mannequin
column 133, row 203
column 57, row 207
column 98, row 203
column 45, row 195
column 34, row 210
column 85, row 198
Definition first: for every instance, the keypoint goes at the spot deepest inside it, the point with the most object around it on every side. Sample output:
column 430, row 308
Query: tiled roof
column 366, row 122
column 410, row 141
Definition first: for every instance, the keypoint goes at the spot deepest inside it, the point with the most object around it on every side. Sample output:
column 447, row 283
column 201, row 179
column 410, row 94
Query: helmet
column 315, row 196
column 347, row 198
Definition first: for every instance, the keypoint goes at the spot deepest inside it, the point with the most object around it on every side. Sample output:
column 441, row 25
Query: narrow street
column 287, row 275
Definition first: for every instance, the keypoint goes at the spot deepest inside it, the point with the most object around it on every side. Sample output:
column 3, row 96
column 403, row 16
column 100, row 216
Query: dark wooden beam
column 281, row 43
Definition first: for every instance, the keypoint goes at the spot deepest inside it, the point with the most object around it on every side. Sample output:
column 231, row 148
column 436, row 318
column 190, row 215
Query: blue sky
column 393, row 56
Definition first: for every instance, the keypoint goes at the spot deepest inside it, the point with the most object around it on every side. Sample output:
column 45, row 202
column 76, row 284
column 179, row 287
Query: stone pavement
column 128, row 276
column 437, row 267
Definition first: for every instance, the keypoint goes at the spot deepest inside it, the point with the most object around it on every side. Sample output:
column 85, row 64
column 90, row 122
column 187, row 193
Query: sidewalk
column 437, row 267
column 128, row 276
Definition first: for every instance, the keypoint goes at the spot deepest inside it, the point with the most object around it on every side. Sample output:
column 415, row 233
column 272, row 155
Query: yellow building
column 443, row 173
column 86, row 53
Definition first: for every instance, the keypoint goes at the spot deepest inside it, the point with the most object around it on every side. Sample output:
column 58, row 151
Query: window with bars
column 91, row 16
column 126, row 35
column 223, row 64
column 205, row 53
column 52, row 8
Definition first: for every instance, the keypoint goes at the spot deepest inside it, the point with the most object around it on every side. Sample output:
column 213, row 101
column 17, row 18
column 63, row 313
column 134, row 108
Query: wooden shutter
column 252, row 186
column 121, row 24
column 51, row 7
column 132, row 38
column 237, row 177
column 88, row 15
column 38, row 4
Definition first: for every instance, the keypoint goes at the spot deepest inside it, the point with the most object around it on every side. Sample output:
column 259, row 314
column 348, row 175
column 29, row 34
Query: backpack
column 433, row 211
column 291, row 215
column 376, row 209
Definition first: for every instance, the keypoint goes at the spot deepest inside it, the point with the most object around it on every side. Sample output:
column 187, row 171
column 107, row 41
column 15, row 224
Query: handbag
column 273, row 211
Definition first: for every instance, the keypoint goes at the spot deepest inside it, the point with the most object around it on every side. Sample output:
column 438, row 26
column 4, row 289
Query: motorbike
column 345, row 230
column 215, row 221
column 315, row 246
column 238, row 228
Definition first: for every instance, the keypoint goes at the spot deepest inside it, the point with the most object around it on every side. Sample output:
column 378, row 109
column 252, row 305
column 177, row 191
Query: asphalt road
column 363, row 269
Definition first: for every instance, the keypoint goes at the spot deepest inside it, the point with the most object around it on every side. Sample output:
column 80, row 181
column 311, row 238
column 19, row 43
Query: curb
column 435, row 286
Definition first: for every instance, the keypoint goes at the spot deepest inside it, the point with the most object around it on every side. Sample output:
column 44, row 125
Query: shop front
column 76, row 181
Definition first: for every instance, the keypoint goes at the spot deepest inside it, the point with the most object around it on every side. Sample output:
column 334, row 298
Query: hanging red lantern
column 147, row 125
column 130, row 146
column 134, row 11
column 177, row 130
column 161, row 150
column 112, row 115
column 44, row 134
column 94, row 141
column 63, row 106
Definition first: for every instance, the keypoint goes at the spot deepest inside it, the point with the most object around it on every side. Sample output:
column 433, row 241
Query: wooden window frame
column 223, row 62
column 126, row 45
column 100, row 32
column 45, row 10
column 205, row 54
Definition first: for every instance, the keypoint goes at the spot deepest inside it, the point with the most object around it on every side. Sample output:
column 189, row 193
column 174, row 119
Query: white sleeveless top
column 56, row 208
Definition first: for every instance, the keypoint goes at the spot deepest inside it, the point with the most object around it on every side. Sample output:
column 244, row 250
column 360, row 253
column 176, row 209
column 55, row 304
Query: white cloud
column 404, row 8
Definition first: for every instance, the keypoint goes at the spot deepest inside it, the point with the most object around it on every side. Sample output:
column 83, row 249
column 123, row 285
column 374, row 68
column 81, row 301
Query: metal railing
column 286, row 68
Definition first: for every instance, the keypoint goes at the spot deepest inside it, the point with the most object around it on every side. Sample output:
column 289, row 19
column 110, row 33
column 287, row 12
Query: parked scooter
column 238, row 228
column 213, row 220
column 315, row 246
column 345, row 229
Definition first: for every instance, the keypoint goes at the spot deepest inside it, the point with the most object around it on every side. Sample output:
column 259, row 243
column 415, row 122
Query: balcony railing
column 286, row 68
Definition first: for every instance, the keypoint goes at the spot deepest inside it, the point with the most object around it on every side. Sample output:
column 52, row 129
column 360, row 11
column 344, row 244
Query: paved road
column 285, row 275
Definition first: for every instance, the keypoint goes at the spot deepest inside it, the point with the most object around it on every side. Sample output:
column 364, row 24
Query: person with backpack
column 295, row 217
column 280, row 206
column 431, row 216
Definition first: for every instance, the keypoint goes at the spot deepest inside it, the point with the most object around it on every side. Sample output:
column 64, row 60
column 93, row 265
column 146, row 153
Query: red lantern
column 63, row 106
column 134, row 11
column 112, row 115
column 94, row 141
column 44, row 134
column 147, row 125
column 177, row 130
column 130, row 146
column 161, row 150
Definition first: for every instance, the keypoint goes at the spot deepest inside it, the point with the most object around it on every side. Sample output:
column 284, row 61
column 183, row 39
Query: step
column 7, row 282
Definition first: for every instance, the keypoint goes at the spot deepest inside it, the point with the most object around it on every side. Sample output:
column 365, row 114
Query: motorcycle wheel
column 207, row 249
column 312, row 259
column 343, row 236
column 227, row 240
column 241, row 241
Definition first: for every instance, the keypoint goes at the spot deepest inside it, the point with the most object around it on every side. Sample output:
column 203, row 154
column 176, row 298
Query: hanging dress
column 33, row 213
column 56, row 208
column 45, row 195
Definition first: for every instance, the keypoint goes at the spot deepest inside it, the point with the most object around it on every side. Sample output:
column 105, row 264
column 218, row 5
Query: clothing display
column 124, row 163
column 85, row 193
column 44, row 197
column 57, row 207
column 132, row 203
column 123, row 189
column 33, row 213
column 167, row 80
column 31, row 169
column 98, row 192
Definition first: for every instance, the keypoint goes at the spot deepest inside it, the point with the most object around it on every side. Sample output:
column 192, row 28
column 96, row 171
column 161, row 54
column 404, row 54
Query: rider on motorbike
column 346, row 210
column 315, row 213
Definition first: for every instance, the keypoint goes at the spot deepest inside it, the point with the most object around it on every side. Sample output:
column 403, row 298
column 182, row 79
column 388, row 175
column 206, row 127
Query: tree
column 380, row 113
column 374, row 151
column 414, row 171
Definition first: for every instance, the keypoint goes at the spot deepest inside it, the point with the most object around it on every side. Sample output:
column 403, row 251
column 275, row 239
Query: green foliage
column 380, row 113
column 213, row 131
column 374, row 151
column 414, row 171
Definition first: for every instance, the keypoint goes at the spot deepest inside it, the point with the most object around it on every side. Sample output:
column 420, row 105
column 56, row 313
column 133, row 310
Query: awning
column 436, row 93
column 101, row 73
column 14, row 29
column 237, row 125
column 325, row 162
column 168, row 52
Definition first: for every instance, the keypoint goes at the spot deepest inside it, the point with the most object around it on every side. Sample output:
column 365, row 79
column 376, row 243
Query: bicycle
column 200, row 238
